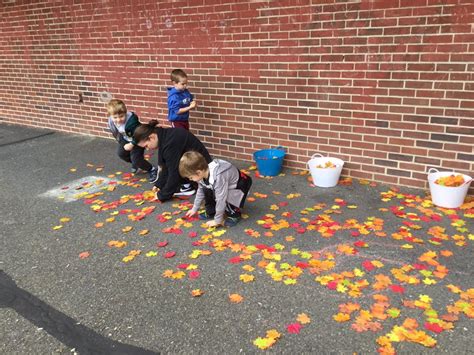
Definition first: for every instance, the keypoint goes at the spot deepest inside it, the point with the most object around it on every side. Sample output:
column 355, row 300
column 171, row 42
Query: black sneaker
column 153, row 175
column 187, row 190
column 232, row 221
column 204, row 216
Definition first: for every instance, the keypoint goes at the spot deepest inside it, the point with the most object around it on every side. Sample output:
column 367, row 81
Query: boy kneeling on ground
column 221, row 185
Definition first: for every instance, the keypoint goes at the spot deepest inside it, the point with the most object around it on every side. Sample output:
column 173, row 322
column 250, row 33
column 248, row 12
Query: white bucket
column 447, row 196
column 324, row 177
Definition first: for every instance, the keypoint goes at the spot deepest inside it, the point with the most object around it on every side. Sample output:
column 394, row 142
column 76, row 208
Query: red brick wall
column 385, row 85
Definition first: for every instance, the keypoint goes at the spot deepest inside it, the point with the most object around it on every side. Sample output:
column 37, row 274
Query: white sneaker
column 185, row 190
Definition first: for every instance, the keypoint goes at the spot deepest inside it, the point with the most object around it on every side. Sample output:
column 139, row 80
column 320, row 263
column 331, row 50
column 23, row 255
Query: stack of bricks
column 387, row 86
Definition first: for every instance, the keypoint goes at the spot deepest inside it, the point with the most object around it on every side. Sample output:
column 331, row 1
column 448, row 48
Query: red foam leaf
column 293, row 328
column 397, row 288
column 194, row 274
column 169, row 254
column 235, row 260
column 162, row 244
column 420, row 266
column 433, row 327
column 302, row 265
column 367, row 264
column 182, row 266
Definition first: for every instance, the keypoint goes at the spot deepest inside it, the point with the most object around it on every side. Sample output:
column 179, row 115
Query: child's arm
column 113, row 129
column 186, row 109
column 175, row 109
column 197, row 201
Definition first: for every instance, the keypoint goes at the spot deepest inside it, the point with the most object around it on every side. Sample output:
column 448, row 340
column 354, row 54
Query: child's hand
column 128, row 147
column 155, row 189
column 192, row 104
column 212, row 224
column 190, row 213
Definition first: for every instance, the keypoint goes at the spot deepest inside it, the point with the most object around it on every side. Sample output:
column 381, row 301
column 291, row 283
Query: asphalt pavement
column 91, row 264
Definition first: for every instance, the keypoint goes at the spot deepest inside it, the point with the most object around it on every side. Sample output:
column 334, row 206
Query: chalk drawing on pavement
column 77, row 189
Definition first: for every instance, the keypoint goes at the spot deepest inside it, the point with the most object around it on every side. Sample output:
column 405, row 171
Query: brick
column 429, row 144
column 412, row 167
column 463, row 156
column 427, row 161
column 298, row 138
column 460, row 131
column 458, row 147
column 414, row 118
column 444, row 120
column 430, row 128
column 396, row 172
column 401, row 157
column 444, row 137
column 386, row 179
column 442, row 154
column 386, row 163
column 377, row 123
column 458, row 165
column 413, row 182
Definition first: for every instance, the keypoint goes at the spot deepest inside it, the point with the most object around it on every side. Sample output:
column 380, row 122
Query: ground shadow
column 59, row 325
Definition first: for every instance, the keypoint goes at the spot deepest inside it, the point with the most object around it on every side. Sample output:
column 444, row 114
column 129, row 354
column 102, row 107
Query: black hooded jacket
column 172, row 144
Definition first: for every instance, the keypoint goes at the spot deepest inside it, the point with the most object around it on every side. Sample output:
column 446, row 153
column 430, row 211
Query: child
column 171, row 143
column 180, row 100
column 222, row 186
column 122, row 124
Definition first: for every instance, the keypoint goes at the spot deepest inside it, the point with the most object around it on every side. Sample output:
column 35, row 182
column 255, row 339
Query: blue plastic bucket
column 269, row 161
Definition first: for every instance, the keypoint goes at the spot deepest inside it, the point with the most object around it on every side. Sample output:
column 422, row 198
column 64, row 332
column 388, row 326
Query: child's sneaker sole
column 205, row 216
column 232, row 221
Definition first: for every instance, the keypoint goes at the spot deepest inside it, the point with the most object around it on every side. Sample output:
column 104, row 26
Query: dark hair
column 144, row 131
column 177, row 75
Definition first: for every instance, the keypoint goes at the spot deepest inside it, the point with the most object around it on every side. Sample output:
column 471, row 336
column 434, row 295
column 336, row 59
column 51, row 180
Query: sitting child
column 122, row 124
column 220, row 184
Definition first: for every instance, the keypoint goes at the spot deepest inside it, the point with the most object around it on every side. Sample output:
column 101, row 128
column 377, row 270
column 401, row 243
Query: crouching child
column 221, row 185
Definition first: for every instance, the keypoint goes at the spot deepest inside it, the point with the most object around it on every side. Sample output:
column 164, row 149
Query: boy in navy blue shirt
column 180, row 100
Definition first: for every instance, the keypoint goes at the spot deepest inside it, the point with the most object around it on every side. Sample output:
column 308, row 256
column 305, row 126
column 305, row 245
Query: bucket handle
column 467, row 182
column 279, row 148
column 317, row 154
column 312, row 157
column 432, row 170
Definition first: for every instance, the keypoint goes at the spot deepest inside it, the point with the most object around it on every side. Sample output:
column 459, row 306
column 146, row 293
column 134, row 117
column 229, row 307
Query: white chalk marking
column 76, row 189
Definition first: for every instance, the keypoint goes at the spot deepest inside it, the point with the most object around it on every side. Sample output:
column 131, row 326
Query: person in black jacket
column 171, row 143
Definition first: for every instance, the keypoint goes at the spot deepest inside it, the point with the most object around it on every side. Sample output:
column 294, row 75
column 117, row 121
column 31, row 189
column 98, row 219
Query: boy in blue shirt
column 180, row 100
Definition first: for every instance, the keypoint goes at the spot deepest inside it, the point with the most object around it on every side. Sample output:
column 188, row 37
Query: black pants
column 244, row 184
column 136, row 156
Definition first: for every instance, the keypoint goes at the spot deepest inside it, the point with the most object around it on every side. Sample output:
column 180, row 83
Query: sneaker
column 204, row 216
column 153, row 175
column 232, row 221
column 185, row 191
column 137, row 171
